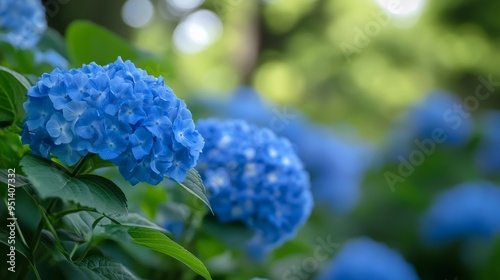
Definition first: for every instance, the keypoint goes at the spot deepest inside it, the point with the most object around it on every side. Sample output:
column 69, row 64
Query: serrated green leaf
column 87, row 42
column 97, row 268
column 52, row 180
column 161, row 243
column 13, row 89
column 195, row 186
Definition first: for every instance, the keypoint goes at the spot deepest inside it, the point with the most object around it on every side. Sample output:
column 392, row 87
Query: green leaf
column 13, row 89
column 51, row 39
column 133, row 220
column 87, row 42
column 81, row 223
column 21, row 248
column 20, row 180
column 11, row 149
column 52, row 180
column 161, row 243
column 194, row 185
column 49, row 241
column 97, row 268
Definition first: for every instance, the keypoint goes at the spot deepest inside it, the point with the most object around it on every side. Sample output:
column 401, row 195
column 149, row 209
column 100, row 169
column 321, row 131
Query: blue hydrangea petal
column 60, row 129
column 74, row 110
column 142, row 142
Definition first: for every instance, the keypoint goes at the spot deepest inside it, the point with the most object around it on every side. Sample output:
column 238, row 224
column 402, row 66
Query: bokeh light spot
column 137, row 13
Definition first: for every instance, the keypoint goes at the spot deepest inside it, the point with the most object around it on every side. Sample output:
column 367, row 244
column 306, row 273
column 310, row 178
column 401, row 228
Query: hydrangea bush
column 118, row 112
column 254, row 177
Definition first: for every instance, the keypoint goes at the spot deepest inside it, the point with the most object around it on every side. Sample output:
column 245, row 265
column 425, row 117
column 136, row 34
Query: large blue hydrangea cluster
column 22, row 22
column 254, row 177
column 363, row 258
column 467, row 210
column 118, row 112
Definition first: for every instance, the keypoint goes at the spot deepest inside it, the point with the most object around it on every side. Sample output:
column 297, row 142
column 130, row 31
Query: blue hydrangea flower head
column 488, row 150
column 467, row 210
column 363, row 258
column 439, row 113
column 254, row 177
column 118, row 112
column 22, row 22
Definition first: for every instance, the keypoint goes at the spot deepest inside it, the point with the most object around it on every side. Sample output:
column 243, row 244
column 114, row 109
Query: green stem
column 80, row 165
column 87, row 249
column 59, row 245
column 41, row 225
column 61, row 214
column 74, row 250
column 184, row 235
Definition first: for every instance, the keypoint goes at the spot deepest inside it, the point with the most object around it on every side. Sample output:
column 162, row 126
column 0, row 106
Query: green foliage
column 194, row 185
column 97, row 268
column 20, row 247
column 13, row 89
column 52, row 180
column 161, row 243
column 88, row 42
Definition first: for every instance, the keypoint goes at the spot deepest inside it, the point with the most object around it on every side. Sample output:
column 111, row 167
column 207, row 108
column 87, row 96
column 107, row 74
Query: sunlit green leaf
column 159, row 242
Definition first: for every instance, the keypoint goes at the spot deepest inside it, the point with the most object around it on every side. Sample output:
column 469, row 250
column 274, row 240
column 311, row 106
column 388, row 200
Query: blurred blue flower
column 50, row 57
column 363, row 258
column 254, row 177
column 488, row 150
column 467, row 210
column 22, row 22
column 336, row 165
column 440, row 115
column 118, row 112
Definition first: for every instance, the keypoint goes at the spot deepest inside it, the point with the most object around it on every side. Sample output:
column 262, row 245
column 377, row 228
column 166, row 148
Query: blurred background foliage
column 292, row 51
column 356, row 67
